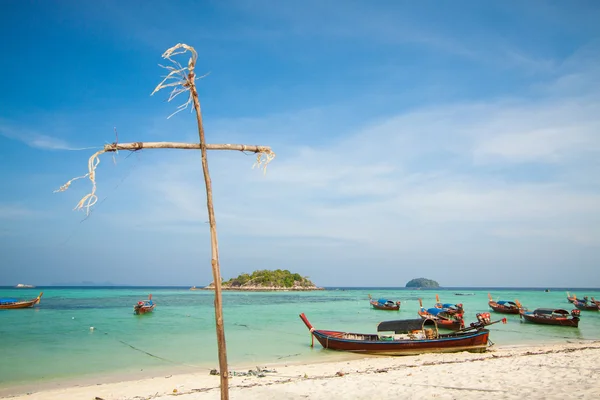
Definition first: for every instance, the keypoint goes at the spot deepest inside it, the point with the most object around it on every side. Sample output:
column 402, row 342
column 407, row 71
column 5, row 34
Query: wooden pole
column 214, row 245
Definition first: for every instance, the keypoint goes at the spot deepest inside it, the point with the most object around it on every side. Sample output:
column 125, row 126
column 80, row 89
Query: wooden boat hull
column 22, row 304
column 143, row 310
column 380, row 306
column 371, row 344
column 587, row 307
column 503, row 309
column 537, row 319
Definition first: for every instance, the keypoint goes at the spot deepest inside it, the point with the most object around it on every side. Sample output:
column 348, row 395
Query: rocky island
column 422, row 283
column 266, row 280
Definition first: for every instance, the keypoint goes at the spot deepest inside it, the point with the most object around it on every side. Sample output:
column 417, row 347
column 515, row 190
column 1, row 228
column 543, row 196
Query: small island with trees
column 422, row 283
column 266, row 280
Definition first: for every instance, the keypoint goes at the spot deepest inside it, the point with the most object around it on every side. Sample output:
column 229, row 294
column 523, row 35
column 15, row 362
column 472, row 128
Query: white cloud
column 508, row 183
column 418, row 178
column 33, row 138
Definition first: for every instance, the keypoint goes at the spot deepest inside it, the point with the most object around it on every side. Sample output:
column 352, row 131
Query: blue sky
column 457, row 141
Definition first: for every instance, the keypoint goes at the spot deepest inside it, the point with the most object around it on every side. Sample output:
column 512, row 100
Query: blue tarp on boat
column 502, row 302
column 383, row 301
column 7, row 300
column 435, row 311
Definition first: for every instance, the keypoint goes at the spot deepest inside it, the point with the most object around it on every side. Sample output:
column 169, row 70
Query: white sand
column 566, row 371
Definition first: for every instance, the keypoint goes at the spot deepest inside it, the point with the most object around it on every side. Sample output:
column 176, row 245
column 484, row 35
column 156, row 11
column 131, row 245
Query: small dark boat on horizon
column 505, row 306
column 552, row 316
column 384, row 304
column 144, row 306
column 12, row 304
column 406, row 337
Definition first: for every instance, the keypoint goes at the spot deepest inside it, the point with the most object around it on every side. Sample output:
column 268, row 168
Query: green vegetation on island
column 268, row 280
column 422, row 283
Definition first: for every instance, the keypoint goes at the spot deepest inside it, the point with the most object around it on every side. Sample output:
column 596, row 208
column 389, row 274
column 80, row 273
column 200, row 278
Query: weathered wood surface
column 135, row 146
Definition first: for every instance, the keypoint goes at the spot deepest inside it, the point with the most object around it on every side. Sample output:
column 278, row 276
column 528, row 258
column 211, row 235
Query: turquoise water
column 54, row 341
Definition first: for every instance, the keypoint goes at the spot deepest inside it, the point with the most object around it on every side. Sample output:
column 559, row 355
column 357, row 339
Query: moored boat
column 586, row 305
column 384, row 304
column 552, row 316
column 505, row 306
column 449, row 307
column 10, row 303
column 571, row 299
column 144, row 306
column 405, row 337
column 443, row 318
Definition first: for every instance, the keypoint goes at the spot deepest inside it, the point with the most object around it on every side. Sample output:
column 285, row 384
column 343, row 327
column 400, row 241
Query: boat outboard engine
column 484, row 318
column 575, row 313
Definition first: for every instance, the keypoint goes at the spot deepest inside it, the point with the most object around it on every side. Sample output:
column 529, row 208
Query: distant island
column 266, row 280
column 422, row 283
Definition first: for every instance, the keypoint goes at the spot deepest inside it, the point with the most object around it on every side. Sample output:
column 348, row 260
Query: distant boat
column 464, row 294
column 442, row 317
column 7, row 304
column 384, row 304
column 505, row 306
column 406, row 337
column 24, row 286
column 552, row 316
column 144, row 306
column 449, row 307
column 586, row 305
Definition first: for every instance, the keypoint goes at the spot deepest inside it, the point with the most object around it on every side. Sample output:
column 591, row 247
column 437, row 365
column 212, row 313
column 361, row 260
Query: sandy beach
column 541, row 372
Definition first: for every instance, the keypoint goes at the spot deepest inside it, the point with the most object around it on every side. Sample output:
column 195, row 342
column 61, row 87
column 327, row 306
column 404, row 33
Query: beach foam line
column 555, row 371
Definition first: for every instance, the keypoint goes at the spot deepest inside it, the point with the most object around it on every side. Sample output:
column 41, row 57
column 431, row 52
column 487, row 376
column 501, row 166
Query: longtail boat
column 449, row 307
column 406, row 337
column 144, row 306
column 552, row 316
column 384, row 304
column 505, row 306
column 8, row 304
column 586, row 305
column 443, row 318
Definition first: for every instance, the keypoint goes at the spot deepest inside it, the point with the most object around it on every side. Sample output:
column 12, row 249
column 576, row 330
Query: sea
column 91, row 333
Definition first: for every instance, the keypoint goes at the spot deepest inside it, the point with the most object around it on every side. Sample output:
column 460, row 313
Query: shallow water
column 54, row 340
